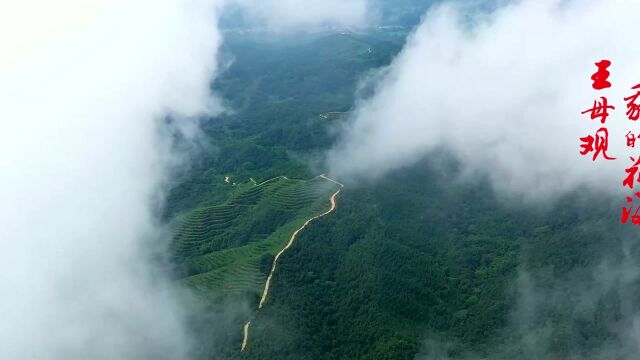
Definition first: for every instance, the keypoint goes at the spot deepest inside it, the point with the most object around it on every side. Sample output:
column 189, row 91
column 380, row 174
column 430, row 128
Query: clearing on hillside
column 227, row 249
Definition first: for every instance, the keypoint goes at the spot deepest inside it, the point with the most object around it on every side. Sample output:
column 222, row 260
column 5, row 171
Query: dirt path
column 265, row 292
column 270, row 180
column 245, row 336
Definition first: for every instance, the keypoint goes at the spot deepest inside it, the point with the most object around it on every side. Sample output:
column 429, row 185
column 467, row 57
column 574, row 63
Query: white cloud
column 82, row 159
column 504, row 92
column 84, row 87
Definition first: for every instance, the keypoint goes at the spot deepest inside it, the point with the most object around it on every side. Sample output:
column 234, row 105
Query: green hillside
column 426, row 263
column 226, row 249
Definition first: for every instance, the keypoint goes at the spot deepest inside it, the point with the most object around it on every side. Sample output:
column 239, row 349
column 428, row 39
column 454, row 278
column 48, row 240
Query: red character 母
column 600, row 109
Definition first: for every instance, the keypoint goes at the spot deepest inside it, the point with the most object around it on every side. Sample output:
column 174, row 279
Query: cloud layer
column 85, row 87
column 502, row 91
column 82, row 163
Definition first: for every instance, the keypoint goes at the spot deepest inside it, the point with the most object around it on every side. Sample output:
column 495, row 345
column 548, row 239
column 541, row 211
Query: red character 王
column 600, row 77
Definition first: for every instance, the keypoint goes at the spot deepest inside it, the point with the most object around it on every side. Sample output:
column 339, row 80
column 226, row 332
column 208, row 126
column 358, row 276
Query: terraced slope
column 227, row 249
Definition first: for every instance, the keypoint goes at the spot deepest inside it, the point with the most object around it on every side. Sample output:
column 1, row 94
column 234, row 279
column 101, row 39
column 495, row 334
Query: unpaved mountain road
column 265, row 292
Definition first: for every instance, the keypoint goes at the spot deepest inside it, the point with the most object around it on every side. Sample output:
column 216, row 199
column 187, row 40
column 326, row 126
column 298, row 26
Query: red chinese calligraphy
column 599, row 109
column 626, row 212
column 631, row 173
column 631, row 139
column 598, row 144
column 600, row 77
column 633, row 109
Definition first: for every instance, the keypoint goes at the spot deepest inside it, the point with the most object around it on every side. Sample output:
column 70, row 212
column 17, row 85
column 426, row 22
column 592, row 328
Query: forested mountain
column 320, row 180
column 424, row 263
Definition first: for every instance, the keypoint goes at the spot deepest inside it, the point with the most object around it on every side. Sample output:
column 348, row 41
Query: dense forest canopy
column 319, row 179
column 423, row 263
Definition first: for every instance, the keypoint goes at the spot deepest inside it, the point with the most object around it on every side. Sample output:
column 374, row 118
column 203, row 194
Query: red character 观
column 597, row 144
column 599, row 109
column 633, row 109
column 600, row 77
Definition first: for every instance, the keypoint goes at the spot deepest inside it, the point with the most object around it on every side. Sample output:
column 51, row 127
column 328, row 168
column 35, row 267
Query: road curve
column 265, row 292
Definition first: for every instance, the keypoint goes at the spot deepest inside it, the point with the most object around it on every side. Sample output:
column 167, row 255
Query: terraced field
column 227, row 249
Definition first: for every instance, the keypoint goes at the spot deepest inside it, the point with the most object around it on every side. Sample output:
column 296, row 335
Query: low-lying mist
column 84, row 162
column 86, row 88
column 503, row 91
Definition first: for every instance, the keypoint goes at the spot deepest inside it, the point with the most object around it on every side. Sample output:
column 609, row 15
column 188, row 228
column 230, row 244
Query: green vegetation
column 223, row 249
column 276, row 90
column 274, row 129
column 413, row 258
column 420, row 255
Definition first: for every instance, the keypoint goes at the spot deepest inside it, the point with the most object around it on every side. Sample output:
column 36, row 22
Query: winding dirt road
column 265, row 292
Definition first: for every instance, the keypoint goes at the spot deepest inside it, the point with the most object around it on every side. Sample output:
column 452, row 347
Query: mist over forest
column 318, row 179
